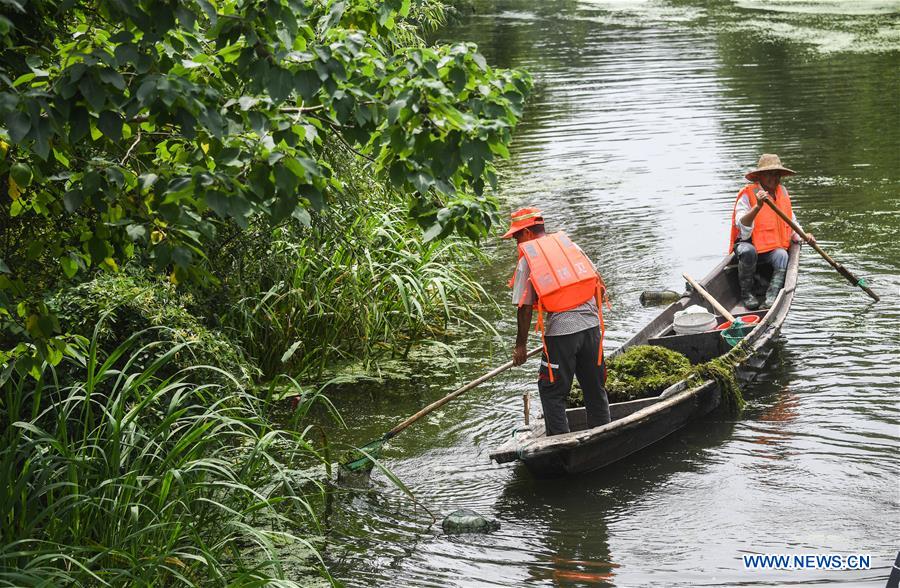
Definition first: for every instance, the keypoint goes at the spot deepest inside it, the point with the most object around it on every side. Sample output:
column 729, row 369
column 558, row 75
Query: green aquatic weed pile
column 640, row 372
column 721, row 370
column 644, row 371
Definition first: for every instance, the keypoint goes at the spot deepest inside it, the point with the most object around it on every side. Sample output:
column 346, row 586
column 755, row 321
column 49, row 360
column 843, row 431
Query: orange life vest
column 769, row 231
column 563, row 278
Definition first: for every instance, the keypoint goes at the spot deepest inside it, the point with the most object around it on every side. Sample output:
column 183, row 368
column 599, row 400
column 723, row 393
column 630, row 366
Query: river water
column 645, row 117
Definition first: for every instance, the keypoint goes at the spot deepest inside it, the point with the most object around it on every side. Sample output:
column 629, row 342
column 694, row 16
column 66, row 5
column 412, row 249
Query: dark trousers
column 571, row 356
column 747, row 256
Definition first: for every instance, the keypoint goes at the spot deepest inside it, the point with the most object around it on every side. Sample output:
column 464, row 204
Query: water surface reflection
column 645, row 117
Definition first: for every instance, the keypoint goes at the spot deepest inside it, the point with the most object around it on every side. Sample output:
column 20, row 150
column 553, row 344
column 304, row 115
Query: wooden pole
column 837, row 266
column 526, row 398
column 439, row 403
column 709, row 298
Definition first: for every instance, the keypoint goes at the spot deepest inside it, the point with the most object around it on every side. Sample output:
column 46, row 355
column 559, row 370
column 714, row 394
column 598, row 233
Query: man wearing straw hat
column 554, row 275
column 758, row 235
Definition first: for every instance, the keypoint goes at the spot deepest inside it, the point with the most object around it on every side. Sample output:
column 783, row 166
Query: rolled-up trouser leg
column 592, row 378
column 561, row 351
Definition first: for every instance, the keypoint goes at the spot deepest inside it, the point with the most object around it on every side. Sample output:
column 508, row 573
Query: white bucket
column 695, row 319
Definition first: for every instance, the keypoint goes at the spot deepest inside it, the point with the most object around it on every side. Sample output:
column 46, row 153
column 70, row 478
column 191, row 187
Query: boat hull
column 600, row 451
column 639, row 424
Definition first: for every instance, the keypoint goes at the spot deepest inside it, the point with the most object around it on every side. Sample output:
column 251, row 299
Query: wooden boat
column 640, row 423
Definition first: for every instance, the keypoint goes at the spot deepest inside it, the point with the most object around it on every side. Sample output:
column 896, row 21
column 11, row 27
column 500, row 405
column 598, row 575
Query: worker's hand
column 810, row 238
column 761, row 198
column 519, row 355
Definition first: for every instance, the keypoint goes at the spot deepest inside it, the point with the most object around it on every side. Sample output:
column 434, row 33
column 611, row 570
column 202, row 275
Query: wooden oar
column 715, row 303
column 840, row 269
column 374, row 446
column 737, row 329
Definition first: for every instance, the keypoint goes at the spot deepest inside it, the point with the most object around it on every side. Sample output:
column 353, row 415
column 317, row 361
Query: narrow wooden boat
column 640, row 423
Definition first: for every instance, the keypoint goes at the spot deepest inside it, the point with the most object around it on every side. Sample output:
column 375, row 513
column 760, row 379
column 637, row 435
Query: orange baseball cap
column 522, row 219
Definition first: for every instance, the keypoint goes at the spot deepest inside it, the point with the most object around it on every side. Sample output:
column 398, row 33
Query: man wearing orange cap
column 758, row 235
column 556, row 276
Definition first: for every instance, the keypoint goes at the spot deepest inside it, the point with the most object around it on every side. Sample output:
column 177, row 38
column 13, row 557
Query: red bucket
column 749, row 319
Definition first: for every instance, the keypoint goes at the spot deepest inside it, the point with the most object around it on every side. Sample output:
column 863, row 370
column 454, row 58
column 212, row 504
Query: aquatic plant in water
column 367, row 288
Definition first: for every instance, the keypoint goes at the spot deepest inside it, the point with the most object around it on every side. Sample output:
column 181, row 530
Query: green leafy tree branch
column 143, row 129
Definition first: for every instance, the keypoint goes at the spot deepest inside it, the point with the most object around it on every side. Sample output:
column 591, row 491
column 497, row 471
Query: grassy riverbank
column 120, row 469
column 201, row 204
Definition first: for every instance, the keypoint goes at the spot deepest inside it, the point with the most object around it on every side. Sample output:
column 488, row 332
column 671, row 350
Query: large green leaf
column 110, row 123
column 18, row 124
column 22, row 174
column 93, row 92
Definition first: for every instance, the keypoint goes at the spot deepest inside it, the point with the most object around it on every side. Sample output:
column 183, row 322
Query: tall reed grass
column 120, row 470
column 364, row 286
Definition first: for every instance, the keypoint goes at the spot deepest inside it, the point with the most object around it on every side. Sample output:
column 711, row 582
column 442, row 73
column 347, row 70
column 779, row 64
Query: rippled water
column 644, row 119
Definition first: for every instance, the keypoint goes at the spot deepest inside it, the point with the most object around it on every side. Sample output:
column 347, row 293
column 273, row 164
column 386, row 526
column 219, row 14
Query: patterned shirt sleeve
column 523, row 292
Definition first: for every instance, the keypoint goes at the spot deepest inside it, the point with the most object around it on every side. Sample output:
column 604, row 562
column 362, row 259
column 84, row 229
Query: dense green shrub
column 292, row 168
column 135, row 301
column 150, row 130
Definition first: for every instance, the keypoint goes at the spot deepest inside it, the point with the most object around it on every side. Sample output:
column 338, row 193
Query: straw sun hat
column 768, row 162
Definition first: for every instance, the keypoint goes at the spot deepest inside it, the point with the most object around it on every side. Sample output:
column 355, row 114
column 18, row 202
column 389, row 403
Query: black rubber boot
column 745, row 279
column 775, row 286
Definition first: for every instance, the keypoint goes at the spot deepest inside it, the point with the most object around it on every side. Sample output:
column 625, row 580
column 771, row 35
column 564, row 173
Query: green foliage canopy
column 136, row 128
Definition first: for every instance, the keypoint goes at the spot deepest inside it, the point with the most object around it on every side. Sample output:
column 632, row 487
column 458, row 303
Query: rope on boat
column 521, row 447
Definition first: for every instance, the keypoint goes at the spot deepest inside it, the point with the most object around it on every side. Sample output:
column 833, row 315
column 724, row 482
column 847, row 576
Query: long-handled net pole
column 860, row 282
column 375, row 446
